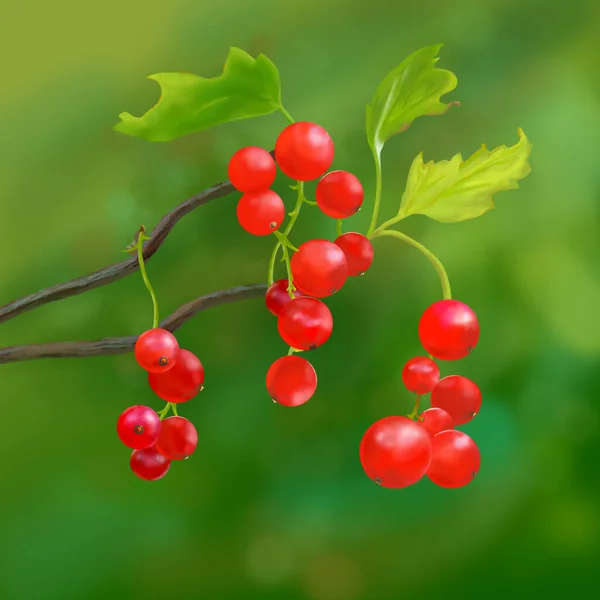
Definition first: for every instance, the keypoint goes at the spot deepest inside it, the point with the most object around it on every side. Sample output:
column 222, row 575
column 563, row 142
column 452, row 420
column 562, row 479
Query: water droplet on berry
column 377, row 481
column 139, row 429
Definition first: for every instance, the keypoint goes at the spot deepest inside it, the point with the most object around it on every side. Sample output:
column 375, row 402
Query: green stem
column 291, row 351
column 437, row 265
column 272, row 263
column 339, row 227
column 415, row 411
column 140, row 254
column 378, row 186
column 286, row 114
column 165, row 411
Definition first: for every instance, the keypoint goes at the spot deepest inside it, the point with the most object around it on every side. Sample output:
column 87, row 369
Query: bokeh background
column 274, row 504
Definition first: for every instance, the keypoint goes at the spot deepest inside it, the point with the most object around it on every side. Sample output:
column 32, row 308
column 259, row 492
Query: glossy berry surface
column 277, row 296
column 138, row 427
column 252, row 169
column 149, row 464
column 449, row 330
column 420, row 375
column 305, row 323
column 291, row 380
column 182, row 382
column 304, row 151
column 319, row 268
column 178, row 438
column 436, row 420
column 260, row 213
column 455, row 459
column 156, row 350
column 339, row 194
column 395, row 452
column 358, row 251
column 458, row 396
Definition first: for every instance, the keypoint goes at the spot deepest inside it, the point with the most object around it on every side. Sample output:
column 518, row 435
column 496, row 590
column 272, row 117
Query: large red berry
column 339, row 194
column 358, row 251
column 304, row 151
column 156, row 350
column 182, row 382
column 305, row 323
column 277, row 296
column 319, row 268
column 436, row 420
column 458, row 396
column 178, row 438
column 138, row 427
column 291, row 380
column 420, row 375
column 149, row 464
column 455, row 459
column 252, row 169
column 395, row 452
column 261, row 213
column 449, row 330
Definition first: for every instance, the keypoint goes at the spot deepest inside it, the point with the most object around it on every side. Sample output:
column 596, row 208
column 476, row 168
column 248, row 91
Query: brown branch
column 122, row 345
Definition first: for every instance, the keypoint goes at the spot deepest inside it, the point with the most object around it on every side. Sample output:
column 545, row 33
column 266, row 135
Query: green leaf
column 455, row 190
column 411, row 90
column 248, row 87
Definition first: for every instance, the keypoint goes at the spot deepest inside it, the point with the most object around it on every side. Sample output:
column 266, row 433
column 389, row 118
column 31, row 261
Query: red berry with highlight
column 455, row 459
column 277, row 296
column 458, row 396
column 339, row 194
column 319, row 268
column 449, row 330
column 291, row 380
column 156, row 350
column 436, row 420
column 252, row 169
column 178, row 438
column 420, row 375
column 304, row 151
column 358, row 251
column 260, row 213
column 149, row 464
column 395, row 452
column 138, row 427
column 305, row 323
column 182, row 382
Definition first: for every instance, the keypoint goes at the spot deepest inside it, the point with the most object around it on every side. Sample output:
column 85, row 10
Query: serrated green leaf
column 454, row 190
column 248, row 87
column 411, row 90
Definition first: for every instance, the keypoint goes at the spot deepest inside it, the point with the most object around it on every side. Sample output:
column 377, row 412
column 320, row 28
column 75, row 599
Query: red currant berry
column 455, row 459
column 458, row 396
column 449, row 330
column 319, row 268
column 149, row 464
column 339, row 194
column 291, row 380
column 305, row 323
column 420, row 375
column 358, row 251
column 436, row 420
column 252, row 169
column 156, row 350
column 178, row 438
column 260, row 213
column 395, row 452
column 138, row 427
column 182, row 382
column 277, row 296
column 304, row 151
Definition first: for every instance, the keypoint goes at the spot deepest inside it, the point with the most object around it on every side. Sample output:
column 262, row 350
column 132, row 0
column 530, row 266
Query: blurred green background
column 274, row 504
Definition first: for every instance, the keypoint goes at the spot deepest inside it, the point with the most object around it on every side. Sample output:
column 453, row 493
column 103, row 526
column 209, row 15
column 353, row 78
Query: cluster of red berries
column 396, row 451
column 175, row 375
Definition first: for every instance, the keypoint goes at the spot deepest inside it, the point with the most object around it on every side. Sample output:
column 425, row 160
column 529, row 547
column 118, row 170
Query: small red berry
column 252, row 169
column 436, row 420
column 261, row 213
column 156, row 350
column 420, row 375
column 358, row 251
column 458, row 396
column 291, row 380
column 277, row 296
column 182, row 382
column 149, row 464
column 138, row 427
column 304, row 151
column 178, row 438
column 455, row 459
column 339, row 194
column 305, row 323
column 449, row 330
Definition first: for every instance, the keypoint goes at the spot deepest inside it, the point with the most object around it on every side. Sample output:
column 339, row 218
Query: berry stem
column 339, row 227
column 140, row 253
column 437, row 265
column 286, row 114
column 378, row 186
column 165, row 411
column 415, row 411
